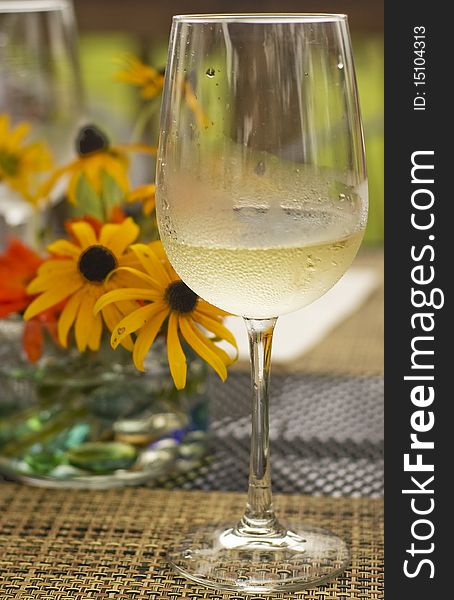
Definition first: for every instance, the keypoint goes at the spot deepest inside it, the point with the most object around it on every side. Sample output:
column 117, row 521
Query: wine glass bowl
column 261, row 205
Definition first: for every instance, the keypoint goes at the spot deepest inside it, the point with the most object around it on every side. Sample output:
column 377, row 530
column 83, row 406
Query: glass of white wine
column 262, row 205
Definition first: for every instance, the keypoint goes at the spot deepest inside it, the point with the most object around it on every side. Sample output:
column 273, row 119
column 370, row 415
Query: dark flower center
column 90, row 139
column 96, row 263
column 181, row 298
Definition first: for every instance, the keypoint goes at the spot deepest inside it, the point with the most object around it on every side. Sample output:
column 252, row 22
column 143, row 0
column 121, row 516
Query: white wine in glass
column 262, row 205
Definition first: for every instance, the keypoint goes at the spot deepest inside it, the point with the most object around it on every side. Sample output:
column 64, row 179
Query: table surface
column 78, row 545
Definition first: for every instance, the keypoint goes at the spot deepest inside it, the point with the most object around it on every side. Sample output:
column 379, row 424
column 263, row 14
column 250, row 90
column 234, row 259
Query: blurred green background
column 110, row 29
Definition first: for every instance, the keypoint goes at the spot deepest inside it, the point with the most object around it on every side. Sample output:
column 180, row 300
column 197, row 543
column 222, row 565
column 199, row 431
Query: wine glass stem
column 259, row 518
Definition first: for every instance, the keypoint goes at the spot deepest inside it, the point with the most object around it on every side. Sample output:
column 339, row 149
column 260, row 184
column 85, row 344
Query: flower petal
column 94, row 339
column 68, row 316
column 126, row 233
column 148, row 206
column 92, row 169
column 134, row 321
column 107, row 231
column 146, row 337
column 125, row 279
column 118, row 170
column 210, row 310
column 57, row 265
column 47, row 186
column 143, row 192
column 4, row 125
column 84, row 233
column 215, row 327
column 64, row 248
column 175, row 354
column 18, row 135
column 124, row 294
column 33, row 340
column 137, row 274
column 85, row 319
column 151, row 263
column 202, row 346
column 112, row 316
column 72, row 187
column 51, row 298
column 44, row 282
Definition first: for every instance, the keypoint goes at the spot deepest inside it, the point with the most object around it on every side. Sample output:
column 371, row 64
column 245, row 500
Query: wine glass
column 262, row 205
column 40, row 83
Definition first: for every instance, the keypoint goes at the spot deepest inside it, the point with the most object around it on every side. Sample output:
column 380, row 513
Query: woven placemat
column 326, row 435
column 79, row 545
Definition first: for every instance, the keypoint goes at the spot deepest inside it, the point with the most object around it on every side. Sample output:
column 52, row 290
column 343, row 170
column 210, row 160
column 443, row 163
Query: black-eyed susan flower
column 96, row 157
column 81, row 271
column 146, row 195
column 21, row 163
column 167, row 301
column 149, row 80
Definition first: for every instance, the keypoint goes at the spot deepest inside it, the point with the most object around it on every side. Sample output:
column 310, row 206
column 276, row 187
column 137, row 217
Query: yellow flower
column 144, row 76
column 96, row 157
column 167, row 297
column 80, row 272
column 146, row 195
column 191, row 100
column 152, row 82
column 21, row 162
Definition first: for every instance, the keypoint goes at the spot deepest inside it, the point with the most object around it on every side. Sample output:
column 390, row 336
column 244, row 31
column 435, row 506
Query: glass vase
column 92, row 420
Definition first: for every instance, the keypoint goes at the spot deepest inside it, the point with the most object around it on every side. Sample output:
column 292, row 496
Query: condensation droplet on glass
column 210, row 72
column 260, row 168
column 310, row 266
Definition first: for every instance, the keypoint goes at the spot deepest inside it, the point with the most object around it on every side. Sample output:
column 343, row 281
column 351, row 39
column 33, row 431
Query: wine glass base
column 221, row 558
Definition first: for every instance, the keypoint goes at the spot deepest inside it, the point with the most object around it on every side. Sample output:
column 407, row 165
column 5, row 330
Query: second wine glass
column 262, row 205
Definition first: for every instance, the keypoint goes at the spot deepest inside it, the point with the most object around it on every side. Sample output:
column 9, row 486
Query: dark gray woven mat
column 326, row 435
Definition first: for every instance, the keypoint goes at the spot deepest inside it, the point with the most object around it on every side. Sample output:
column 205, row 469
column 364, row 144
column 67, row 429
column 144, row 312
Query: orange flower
column 33, row 334
column 18, row 266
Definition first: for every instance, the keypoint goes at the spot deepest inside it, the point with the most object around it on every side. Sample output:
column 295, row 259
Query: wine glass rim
column 262, row 17
column 9, row 6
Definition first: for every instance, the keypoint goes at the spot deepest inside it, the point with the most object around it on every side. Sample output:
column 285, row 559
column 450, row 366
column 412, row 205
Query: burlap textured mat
column 79, row 545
